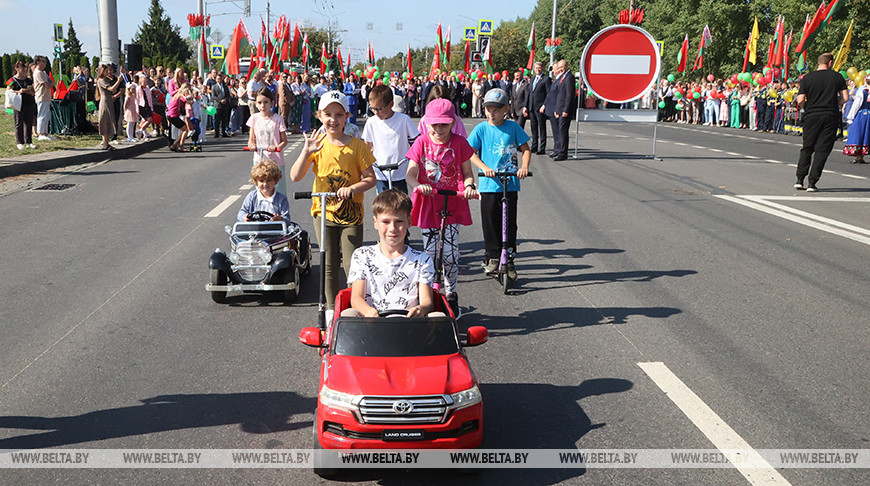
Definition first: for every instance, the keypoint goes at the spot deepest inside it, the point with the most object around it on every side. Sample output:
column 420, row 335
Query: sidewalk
column 41, row 162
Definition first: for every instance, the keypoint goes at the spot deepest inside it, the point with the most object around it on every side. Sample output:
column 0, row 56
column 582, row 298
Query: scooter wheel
column 505, row 282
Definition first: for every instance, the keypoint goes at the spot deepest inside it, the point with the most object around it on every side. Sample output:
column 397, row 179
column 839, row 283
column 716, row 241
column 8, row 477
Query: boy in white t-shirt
column 391, row 275
column 389, row 135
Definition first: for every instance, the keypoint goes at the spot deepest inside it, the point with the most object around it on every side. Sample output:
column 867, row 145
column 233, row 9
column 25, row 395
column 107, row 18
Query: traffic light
column 247, row 8
column 57, row 52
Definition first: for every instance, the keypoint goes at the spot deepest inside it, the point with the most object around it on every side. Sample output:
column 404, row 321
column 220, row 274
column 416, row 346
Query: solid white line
column 821, row 219
column 711, row 425
column 797, row 219
column 809, row 198
column 246, row 187
column 853, row 176
column 214, row 213
column 619, row 64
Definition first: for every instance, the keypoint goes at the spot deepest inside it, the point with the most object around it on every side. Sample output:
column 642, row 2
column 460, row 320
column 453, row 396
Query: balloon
column 845, row 74
column 734, row 79
column 211, row 110
column 463, row 105
column 91, row 107
column 851, row 72
column 358, row 72
column 861, row 76
column 678, row 95
column 696, row 95
column 679, row 106
column 453, row 73
column 710, row 77
column 777, row 72
column 771, row 92
column 473, row 76
column 590, row 93
column 671, row 78
column 9, row 111
column 460, row 77
column 765, row 70
column 496, row 76
column 788, row 96
column 661, row 104
column 156, row 119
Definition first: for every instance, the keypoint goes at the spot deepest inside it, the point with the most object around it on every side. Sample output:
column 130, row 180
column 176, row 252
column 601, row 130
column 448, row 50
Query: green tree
column 509, row 45
column 8, row 71
column 160, row 37
column 72, row 50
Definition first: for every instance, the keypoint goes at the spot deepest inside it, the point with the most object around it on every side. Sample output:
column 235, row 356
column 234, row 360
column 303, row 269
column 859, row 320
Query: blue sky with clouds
column 391, row 24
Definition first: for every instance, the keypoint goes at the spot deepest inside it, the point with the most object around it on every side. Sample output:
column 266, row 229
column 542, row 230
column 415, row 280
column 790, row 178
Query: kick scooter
column 502, row 274
column 321, row 305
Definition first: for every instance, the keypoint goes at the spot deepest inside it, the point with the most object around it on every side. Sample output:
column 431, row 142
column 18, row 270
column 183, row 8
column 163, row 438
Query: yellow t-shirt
column 335, row 167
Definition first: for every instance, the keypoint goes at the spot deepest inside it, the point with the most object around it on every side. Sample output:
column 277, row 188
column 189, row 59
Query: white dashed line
column 214, row 213
column 712, row 426
column 853, row 176
column 715, row 150
column 752, row 157
column 773, row 161
column 246, row 187
column 732, row 153
column 681, row 144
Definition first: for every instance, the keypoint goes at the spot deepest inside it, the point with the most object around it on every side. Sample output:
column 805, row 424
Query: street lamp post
column 553, row 32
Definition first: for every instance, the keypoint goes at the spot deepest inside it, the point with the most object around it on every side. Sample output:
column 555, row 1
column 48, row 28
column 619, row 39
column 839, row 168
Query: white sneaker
column 132, row 140
column 32, row 145
column 44, row 138
column 329, row 314
column 20, row 146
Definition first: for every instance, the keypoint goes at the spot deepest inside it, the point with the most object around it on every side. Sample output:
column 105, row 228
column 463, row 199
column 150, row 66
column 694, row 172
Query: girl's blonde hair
column 265, row 170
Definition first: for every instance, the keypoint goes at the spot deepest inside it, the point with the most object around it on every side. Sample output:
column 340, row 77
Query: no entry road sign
column 620, row 63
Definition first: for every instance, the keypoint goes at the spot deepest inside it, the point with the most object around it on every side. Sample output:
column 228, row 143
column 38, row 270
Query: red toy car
column 396, row 383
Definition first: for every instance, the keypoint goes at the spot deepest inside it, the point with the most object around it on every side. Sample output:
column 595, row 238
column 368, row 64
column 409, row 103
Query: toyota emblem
column 403, row 407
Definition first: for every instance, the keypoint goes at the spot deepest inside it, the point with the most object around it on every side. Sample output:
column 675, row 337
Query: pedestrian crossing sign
column 217, row 51
column 485, row 27
column 470, row 34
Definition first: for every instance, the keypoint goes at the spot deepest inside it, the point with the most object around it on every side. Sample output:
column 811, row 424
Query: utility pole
column 109, row 48
column 553, row 32
column 199, row 65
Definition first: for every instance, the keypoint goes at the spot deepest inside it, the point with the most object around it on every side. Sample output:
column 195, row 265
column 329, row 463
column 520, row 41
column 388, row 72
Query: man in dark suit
column 537, row 94
column 424, row 94
column 549, row 108
column 565, row 108
column 519, row 93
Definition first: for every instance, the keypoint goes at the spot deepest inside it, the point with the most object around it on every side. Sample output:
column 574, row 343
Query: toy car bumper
column 260, row 287
column 339, row 430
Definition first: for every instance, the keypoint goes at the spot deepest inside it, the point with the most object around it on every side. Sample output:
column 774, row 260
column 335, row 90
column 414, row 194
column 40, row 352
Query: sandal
column 108, row 147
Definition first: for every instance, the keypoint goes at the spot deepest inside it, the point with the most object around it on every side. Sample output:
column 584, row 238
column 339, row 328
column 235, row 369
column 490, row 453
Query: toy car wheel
column 290, row 296
column 217, row 277
column 324, row 472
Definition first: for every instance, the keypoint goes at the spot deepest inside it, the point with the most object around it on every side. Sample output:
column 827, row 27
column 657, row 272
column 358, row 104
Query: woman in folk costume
column 858, row 141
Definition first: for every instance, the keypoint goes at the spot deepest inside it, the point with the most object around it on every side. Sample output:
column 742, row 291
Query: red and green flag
column 467, row 66
column 706, row 39
column 340, row 64
column 297, row 37
column 486, row 55
column 239, row 42
column 324, row 59
column 447, row 45
column 811, row 30
column 530, row 45
column 203, row 51
column 683, row 55
column 410, row 62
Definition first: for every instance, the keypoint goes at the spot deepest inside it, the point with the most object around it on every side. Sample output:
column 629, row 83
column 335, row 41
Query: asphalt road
column 640, row 279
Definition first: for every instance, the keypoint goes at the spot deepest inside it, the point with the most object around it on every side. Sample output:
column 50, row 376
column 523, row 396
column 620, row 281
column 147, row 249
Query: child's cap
column 495, row 96
column 331, row 97
column 440, row 111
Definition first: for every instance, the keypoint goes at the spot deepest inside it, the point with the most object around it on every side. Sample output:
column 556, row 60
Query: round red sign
column 620, row 63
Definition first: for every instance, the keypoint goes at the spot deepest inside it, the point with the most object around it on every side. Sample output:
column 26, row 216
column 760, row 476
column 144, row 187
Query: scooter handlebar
column 444, row 192
column 388, row 167
column 503, row 174
column 310, row 195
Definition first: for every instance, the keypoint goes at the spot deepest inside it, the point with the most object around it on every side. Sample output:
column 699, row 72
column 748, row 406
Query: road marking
column 680, row 144
column 807, row 219
column 732, row 153
column 699, row 147
column 711, row 425
column 619, row 64
column 246, row 187
column 752, row 157
column 773, row 161
column 715, row 150
column 214, row 213
column 853, row 176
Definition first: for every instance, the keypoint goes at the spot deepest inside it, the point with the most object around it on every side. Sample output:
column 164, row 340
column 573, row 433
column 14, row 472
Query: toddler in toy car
column 265, row 197
column 391, row 275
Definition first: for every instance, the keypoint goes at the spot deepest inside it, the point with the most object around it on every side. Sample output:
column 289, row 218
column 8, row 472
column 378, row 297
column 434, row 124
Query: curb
column 64, row 158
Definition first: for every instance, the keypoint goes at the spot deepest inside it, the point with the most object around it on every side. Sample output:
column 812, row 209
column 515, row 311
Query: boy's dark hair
column 382, row 93
column 391, row 201
column 267, row 93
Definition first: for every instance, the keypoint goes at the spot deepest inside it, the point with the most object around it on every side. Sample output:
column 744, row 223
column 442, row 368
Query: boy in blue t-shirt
column 497, row 142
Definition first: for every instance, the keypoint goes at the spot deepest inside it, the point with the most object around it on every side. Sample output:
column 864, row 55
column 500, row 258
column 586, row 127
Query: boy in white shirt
column 389, row 136
column 391, row 275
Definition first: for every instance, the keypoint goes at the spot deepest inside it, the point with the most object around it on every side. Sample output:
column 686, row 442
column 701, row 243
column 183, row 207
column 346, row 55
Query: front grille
column 420, row 410
column 253, row 275
column 249, row 254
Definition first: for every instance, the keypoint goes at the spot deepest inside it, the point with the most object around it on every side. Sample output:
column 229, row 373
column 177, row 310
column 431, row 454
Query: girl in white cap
column 341, row 164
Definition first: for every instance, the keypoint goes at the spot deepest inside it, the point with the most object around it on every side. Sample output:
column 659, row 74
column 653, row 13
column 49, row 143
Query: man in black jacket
column 565, row 109
column 220, row 95
column 534, row 104
column 549, row 108
column 519, row 94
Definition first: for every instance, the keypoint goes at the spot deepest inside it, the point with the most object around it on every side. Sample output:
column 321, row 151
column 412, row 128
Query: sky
column 29, row 30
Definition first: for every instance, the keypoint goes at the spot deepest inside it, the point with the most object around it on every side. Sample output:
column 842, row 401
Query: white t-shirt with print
column 390, row 142
column 391, row 283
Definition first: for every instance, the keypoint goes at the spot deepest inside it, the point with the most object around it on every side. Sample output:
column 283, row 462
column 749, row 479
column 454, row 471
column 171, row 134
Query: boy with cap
column 341, row 164
column 497, row 142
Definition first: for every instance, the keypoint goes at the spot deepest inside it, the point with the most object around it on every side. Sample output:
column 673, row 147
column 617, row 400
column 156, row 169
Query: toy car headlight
column 332, row 398
column 466, row 398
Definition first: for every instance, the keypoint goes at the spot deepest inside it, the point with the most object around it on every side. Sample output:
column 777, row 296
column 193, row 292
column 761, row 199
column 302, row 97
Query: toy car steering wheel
column 393, row 313
column 260, row 216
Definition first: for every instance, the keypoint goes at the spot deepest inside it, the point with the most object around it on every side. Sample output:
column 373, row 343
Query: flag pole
column 553, row 32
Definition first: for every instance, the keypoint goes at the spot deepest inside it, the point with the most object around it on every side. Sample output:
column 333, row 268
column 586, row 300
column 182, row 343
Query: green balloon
column 843, row 73
column 679, row 106
column 211, row 110
column 473, row 76
column 696, row 95
column 463, row 105
column 678, row 95
column 589, row 93
column 358, row 72
column 661, row 104
column 91, row 107
column 671, row 78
